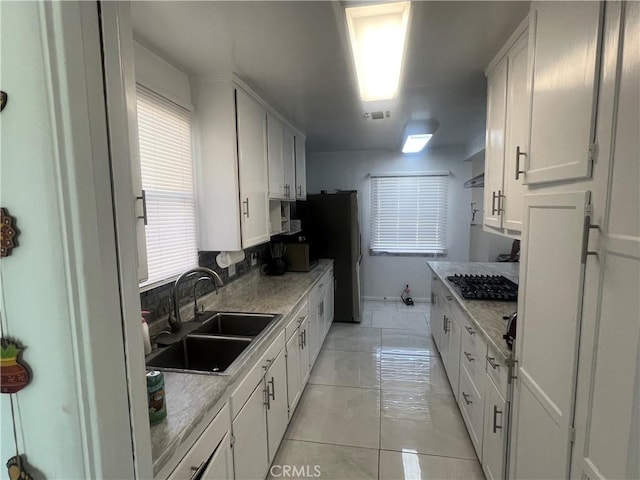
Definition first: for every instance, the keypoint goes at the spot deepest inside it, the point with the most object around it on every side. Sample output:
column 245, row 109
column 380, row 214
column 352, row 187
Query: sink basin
column 200, row 353
column 240, row 324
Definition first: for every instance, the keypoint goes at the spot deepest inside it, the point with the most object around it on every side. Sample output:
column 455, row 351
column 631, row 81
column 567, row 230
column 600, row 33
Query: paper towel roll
column 225, row 259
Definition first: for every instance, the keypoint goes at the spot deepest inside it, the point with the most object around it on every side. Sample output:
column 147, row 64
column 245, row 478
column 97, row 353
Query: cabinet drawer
column 473, row 361
column 204, row 446
column 248, row 384
column 469, row 330
column 498, row 371
column 472, row 407
column 297, row 319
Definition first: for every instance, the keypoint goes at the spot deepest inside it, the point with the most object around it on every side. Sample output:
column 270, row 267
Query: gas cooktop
column 485, row 287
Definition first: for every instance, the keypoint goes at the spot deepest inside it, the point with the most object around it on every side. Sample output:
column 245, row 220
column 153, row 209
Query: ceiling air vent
column 379, row 115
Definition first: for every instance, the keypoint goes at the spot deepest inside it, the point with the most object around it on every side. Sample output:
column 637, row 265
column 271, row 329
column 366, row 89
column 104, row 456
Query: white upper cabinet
column 565, row 40
column 275, row 148
column 252, row 166
column 289, row 160
column 301, row 167
column 240, row 151
column 507, row 134
column 494, row 162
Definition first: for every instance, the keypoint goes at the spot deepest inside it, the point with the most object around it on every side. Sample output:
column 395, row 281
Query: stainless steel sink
column 199, row 353
column 230, row 323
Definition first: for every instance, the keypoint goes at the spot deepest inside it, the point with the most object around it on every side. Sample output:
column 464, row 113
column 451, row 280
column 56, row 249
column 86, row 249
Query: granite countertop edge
column 208, row 391
column 509, row 270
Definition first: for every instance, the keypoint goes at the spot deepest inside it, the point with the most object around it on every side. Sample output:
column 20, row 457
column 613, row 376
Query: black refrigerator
column 331, row 223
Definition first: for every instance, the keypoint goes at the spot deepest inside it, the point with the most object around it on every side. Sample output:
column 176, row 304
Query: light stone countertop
column 487, row 315
column 191, row 398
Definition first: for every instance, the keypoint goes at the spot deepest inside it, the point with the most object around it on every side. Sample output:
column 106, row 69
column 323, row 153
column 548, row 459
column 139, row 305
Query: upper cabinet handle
column 518, row 154
column 143, row 197
column 246, row 203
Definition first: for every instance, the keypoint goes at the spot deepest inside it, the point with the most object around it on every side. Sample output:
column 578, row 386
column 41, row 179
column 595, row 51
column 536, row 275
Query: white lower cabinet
column 452, row 360
column 210, row 456
column 277, row 403
column 305, row 354
column 250, row 455
column 471, row 403
column 294, row 380
column 221, row 464
column 495, row 426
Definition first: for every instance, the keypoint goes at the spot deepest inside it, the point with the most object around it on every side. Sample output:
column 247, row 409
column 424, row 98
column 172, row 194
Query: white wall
column 386, row 276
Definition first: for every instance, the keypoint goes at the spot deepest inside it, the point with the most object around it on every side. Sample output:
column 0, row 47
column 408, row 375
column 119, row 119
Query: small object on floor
column 405, row 296
column 17, row 470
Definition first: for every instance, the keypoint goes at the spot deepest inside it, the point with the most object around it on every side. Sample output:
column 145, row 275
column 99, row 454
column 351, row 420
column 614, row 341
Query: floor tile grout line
column 328, row 443
column 434, row 455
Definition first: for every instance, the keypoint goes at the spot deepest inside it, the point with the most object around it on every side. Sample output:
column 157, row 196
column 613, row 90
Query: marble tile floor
column 378, row 405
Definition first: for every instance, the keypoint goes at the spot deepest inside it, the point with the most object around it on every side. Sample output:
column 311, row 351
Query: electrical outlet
column 254, row 259
column 232, row 270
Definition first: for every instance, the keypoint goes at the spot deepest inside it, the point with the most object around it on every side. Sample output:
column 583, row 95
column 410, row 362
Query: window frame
column 440, row 197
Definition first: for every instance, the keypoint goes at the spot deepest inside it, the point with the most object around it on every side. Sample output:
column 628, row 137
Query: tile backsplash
column 157, row 300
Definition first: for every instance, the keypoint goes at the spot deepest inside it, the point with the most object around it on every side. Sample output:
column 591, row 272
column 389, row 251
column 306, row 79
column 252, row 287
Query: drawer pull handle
column 449, row 298
column 469, row 356
column 470, row 330
column 273, row 389
column 466, row 400
column 518, row 155
column 492, row 362
column 196, row 471
column 495, row 419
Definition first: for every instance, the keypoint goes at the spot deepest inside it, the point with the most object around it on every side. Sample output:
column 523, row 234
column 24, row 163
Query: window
column 409, row 213
column 166, row 164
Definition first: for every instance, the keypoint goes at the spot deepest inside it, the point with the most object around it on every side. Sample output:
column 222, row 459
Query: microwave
column 300, row 257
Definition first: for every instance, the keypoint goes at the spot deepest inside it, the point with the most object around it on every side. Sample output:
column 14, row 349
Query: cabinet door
column 277, row 404
column 444, row 326
column 250, row 455
column 313, row 339
column 471, row 404
column 549, row 305
column 493, row 439
column 289, row 161
column 452, row 362
column 494, row 151
column 252, row 170
column 565, row 42
column 329, row 302
column 275, row 153
column 305, row 357
column 301, row 168
column 517, row 135
column 294, row 382
column 221, row 464
column 608, row 400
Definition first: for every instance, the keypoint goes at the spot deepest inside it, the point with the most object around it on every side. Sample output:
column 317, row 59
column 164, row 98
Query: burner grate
column 485, row 287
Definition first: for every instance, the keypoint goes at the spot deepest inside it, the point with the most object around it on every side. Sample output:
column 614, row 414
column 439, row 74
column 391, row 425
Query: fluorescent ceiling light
column 417, row 133
column 378, row 38
column 415, row 143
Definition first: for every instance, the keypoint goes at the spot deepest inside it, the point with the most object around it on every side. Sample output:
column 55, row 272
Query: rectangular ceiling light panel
column 415, row 143
column 378, row 38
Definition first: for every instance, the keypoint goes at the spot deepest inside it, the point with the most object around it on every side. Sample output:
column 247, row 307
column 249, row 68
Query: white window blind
column 409, row 213
column 166, row 163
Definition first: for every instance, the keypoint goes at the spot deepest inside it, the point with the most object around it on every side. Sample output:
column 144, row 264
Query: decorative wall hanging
column 3, row 100
column 14, row 376
column 8, row 233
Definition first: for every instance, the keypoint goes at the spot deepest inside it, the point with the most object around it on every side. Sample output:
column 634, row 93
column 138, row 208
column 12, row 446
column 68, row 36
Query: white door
column 494, row 161
column 277, row 404
column 549, row 312
column 493, row 444
column 301, row 168
column 250, row 456
column 444, row 324
column 221, row 463
column 608, row 403
column 289, row 163
column 517, row 135
column 294, row 382
column 252, row 170
column 564, row 40
column 453, row 355
column 305, row 357
column 275, row 153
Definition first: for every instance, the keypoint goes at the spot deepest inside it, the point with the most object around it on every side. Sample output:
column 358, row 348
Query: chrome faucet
column 175, row 322
column 195, row 295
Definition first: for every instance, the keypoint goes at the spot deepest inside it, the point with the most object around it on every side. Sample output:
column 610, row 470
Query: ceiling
column 296, row 55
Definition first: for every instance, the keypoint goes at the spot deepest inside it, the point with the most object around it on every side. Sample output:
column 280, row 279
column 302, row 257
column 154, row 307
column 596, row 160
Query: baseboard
column 394, row 299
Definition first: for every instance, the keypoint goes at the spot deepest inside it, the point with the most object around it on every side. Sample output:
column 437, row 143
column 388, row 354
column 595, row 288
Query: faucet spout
column 176, row 322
